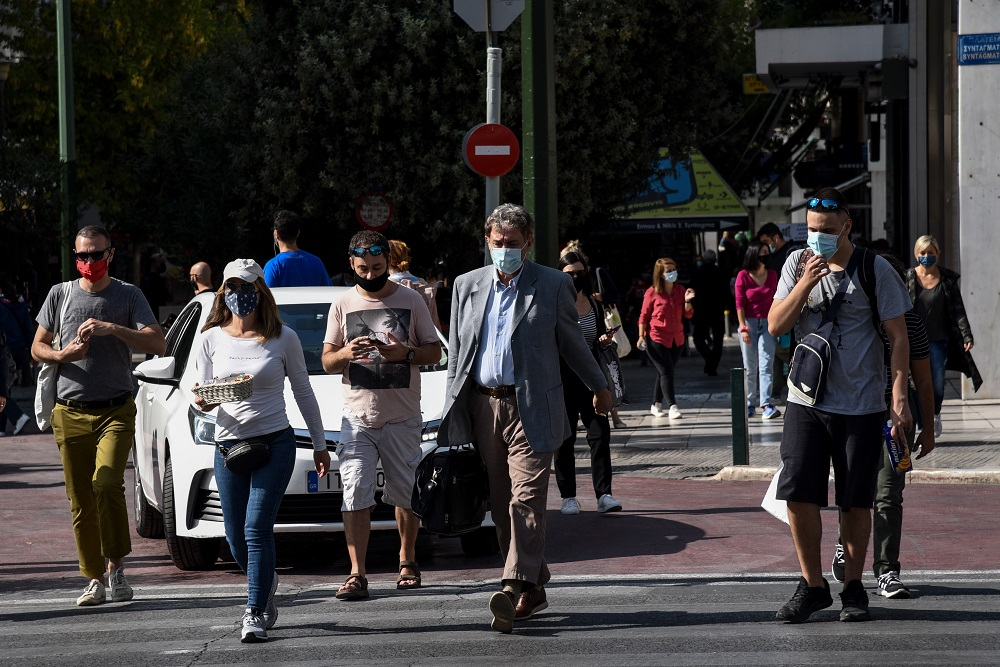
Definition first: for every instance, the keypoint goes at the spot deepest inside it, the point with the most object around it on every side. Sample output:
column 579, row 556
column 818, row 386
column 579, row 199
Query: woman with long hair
column 665, row 306
column 579, row 399
column 244, row 335
column 938, row 300
column 399, row 272
column 755, row 288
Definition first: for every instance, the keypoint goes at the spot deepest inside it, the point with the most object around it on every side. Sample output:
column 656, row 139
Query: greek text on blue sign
column 981, row 49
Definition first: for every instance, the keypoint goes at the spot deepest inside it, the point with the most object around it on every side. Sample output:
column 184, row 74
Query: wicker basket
column 230, row 389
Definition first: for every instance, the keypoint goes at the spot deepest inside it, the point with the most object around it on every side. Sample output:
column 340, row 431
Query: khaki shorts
column 359, row 451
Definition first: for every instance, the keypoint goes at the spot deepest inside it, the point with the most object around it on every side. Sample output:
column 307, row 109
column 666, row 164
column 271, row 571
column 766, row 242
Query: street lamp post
column 67, row 138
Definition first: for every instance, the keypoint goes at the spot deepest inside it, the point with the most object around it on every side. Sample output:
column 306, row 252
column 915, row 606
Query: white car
column 176, row 495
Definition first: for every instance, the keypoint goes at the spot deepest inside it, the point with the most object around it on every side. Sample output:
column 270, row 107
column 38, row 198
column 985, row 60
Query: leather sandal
column 415, row 577
column 355, row 588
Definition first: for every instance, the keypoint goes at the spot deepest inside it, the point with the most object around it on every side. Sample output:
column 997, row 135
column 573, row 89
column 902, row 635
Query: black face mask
column 582, row 284
column 764, row 261
column 374, row 285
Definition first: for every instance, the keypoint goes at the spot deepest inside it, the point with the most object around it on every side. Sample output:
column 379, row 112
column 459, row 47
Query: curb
column 930, row 476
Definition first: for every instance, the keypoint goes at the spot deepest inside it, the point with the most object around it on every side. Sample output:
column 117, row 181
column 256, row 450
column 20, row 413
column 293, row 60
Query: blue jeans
column 758, row 359
column 939, row 358
column 249, row 507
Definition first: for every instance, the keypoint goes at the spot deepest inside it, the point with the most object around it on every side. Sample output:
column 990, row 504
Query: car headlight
column 429, row 431
column 202, row 427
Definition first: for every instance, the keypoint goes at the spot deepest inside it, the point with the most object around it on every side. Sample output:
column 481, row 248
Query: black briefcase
column 451, row 491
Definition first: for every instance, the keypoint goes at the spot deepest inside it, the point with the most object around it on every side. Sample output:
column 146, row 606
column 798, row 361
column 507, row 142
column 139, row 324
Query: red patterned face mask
column 92, row 271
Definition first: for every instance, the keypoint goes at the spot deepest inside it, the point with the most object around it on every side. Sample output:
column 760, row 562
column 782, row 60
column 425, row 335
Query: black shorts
column 811, row 439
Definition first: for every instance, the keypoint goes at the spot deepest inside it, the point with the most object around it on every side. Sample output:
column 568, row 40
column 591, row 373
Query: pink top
column 661, row 313
column 753, row 299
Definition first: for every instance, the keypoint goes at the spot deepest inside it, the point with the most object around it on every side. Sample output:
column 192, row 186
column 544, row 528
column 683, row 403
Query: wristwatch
column 411, row 355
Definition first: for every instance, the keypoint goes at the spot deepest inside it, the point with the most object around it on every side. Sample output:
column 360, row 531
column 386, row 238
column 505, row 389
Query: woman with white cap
column 244, row 334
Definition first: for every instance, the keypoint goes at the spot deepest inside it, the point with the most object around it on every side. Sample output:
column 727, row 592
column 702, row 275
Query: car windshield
column 309, row 322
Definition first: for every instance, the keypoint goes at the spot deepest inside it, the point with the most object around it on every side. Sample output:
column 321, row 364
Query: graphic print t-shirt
column 376, row 391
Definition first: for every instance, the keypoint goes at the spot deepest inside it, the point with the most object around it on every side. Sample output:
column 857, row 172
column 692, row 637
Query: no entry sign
column 373, row 211
column 490, row 149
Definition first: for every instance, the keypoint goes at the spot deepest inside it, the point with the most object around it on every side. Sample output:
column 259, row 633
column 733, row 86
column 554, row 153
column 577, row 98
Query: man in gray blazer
column 510, row 322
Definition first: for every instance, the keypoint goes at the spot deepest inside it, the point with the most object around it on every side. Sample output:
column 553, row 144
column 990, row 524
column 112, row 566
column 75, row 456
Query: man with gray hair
column 510, row 323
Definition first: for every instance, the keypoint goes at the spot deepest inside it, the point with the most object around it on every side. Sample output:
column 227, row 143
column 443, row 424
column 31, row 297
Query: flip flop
column 415, row 577
column 355, row 588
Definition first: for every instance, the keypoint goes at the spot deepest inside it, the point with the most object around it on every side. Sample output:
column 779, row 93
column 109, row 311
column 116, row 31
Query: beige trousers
column 519, row 486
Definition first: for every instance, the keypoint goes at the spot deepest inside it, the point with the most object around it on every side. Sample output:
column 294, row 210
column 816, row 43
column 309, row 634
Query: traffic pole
column 493, row 65
column 67, row 138
column 741, row 429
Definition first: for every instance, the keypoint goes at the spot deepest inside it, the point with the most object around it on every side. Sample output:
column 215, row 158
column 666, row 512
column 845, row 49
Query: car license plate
column 333, row 483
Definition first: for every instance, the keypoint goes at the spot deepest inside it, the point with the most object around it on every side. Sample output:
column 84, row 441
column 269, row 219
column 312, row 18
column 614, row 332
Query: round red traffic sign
column 490, row 149
column 373, row 211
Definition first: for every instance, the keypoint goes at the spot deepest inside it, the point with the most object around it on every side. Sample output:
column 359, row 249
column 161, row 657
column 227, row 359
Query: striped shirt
column 588, row 323
column 919, row 347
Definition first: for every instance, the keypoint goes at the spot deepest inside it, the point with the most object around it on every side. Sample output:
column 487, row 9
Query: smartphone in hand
column 800, row 269
column 614, row 330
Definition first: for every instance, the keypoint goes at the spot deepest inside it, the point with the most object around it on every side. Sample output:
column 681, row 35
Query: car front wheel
column 480, row 542
column 148, row 520
column 186, row 552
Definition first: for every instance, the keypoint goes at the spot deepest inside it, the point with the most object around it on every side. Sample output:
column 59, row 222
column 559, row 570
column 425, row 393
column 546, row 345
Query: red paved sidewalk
column 668, row 527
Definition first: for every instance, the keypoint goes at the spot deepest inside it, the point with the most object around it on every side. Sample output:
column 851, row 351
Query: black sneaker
column 838, row 565
column 889, row 586
column 855, row 601
column 805, row 601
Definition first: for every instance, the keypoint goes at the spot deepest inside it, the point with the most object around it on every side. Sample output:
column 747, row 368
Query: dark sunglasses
column 95, row 256
column 375, row 251
column 825, row 204
column 246, row 288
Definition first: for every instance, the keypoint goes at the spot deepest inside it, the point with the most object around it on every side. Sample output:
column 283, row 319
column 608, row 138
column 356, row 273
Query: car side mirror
column 157, row 371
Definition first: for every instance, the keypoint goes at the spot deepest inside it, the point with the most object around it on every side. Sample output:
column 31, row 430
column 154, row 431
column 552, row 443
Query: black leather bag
column 248, row 455
column 451, row 491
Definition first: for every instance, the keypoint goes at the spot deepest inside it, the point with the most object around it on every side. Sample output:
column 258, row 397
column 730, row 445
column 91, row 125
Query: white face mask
column 670, row 276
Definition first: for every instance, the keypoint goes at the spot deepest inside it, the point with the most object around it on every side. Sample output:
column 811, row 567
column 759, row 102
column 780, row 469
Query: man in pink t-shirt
column 378, row 335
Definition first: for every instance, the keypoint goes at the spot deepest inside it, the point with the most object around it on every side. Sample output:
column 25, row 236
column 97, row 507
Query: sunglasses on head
column 240, row 287
column 94, row 256
column 825, row 204
column 374, row 251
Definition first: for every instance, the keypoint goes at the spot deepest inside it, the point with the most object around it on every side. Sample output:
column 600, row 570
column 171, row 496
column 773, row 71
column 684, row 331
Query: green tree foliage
column 125, row 56
column 349, row 98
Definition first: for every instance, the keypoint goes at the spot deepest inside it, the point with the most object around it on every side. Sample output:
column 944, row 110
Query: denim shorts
column 397, row 445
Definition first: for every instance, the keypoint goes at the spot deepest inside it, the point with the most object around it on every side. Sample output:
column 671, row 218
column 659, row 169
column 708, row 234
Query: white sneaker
column 655, row 410
column 937, row 426
column 20, row 424
column 607, row 503
column 570, row 506
column 271, row 610
column 253, row 626
column 675, row 412
column 93, row 594
column 120, row 589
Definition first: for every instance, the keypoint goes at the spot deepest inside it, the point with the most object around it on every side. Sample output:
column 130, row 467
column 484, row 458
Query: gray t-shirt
column 856, row 380
column 106, row 370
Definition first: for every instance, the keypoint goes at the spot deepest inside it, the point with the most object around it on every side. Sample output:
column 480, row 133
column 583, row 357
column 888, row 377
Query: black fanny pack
column 245, row 456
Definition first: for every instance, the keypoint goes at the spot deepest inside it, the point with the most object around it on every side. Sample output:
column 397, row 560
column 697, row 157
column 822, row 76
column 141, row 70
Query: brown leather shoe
column 529, row 603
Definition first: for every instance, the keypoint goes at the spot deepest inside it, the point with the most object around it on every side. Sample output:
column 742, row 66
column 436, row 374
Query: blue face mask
column 823, row 244
column 670, row 276
column 506, row 260
column 241, row 303
column 927, row 261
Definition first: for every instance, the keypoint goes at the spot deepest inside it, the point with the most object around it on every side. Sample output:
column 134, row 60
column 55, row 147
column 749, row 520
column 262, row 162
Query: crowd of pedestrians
column 517, row 386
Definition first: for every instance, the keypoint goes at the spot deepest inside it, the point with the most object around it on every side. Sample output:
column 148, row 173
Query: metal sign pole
column 493, row 64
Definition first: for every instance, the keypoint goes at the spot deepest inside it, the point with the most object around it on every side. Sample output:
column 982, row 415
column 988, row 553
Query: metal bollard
column 741, row 428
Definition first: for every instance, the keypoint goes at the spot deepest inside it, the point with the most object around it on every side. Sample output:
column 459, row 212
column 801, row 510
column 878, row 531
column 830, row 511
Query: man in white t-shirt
column 378, row 336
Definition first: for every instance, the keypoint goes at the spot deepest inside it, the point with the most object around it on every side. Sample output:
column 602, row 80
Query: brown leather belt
column 95, row 405
column 503, row 391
